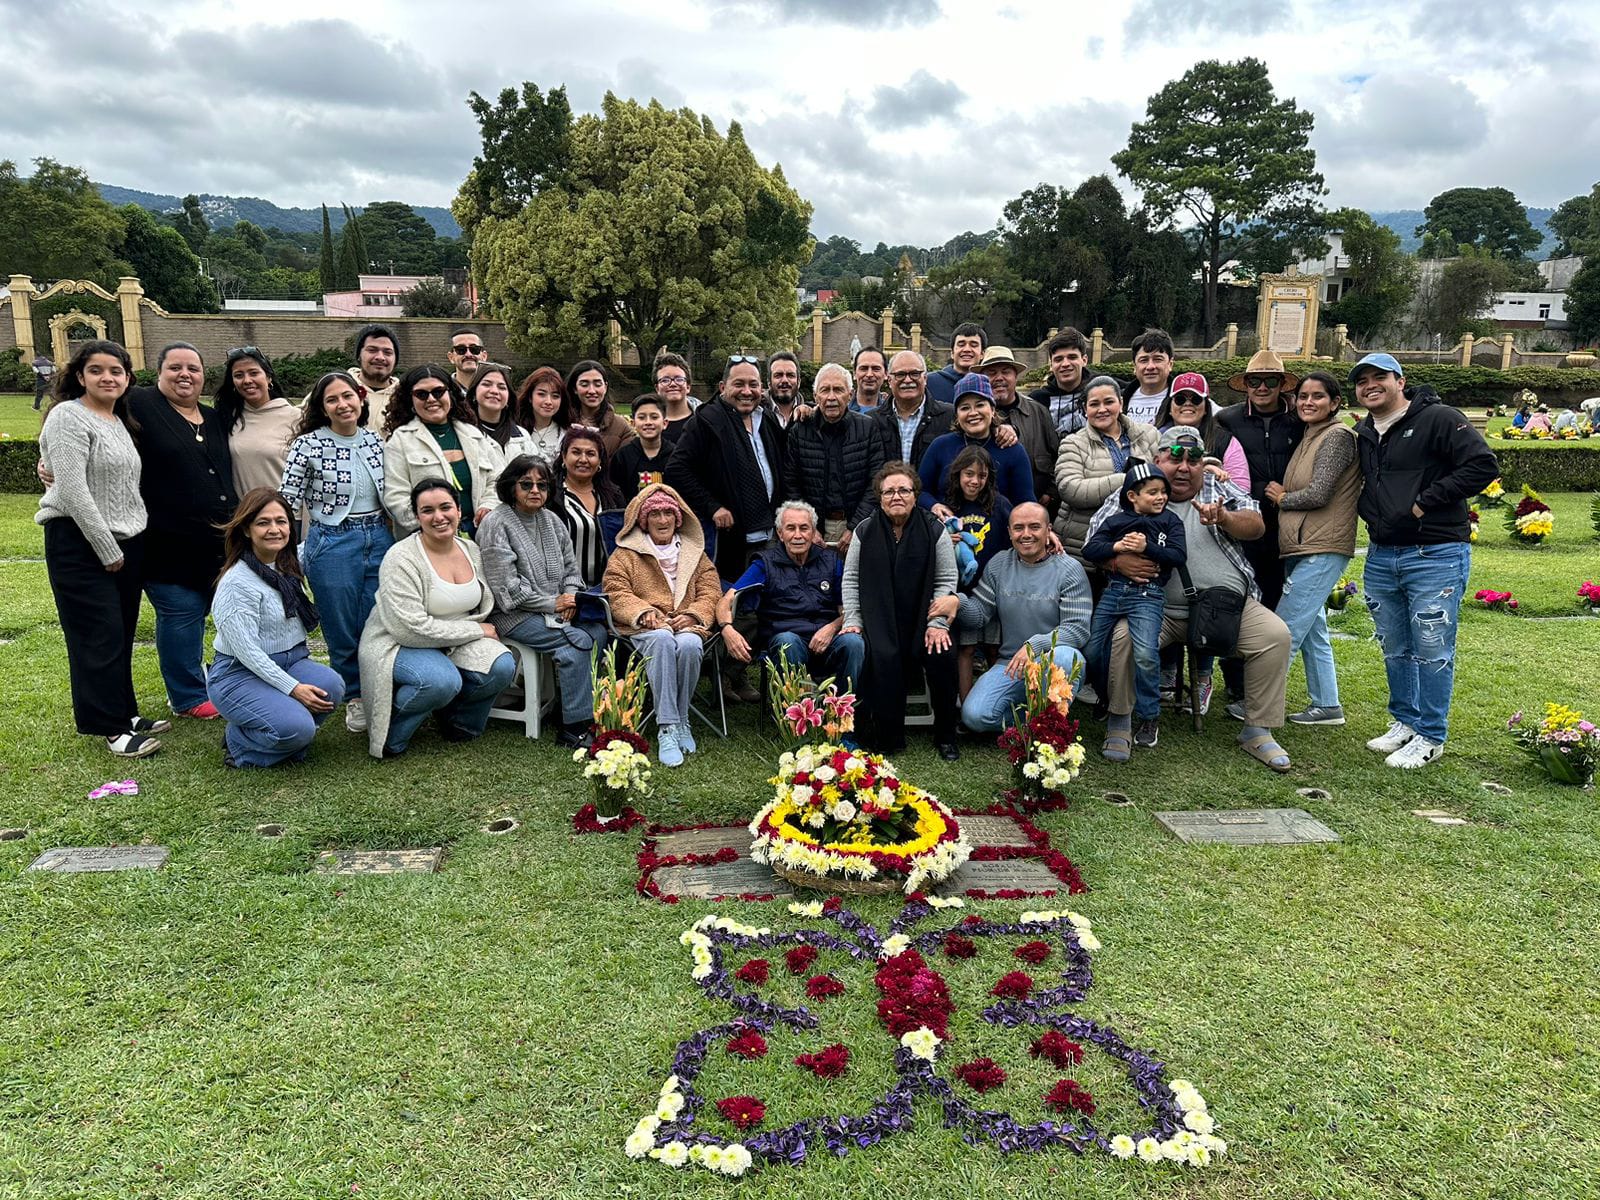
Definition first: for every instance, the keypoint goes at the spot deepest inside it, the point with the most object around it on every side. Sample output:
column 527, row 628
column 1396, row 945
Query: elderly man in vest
column 799, row 606
column 1216, row 517
column 833, row 455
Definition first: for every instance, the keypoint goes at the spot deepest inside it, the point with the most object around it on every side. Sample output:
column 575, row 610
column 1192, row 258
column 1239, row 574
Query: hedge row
column 1561, row 387
column 1574, row 469
column 18, row 463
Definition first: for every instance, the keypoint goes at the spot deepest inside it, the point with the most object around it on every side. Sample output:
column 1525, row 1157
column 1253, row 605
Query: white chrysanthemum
column 947, row 902
column 638, row 1144
column 1172, row 1151
column 1089, row 942
column 922, row 1042
column 1030, row 770
column 1216, row 1145
column 713, row 1158
column 1199, row 1156
column 735, row 1159
column 671, row 1085
column 1122, row 1146
column 703, row 971
column 669, row 1106
column 817, row 820
column 894, row 944
column 673, row 1154
column 1149, row 1150
column 1200, row 1121
column 648, row 1123
column 811, row 908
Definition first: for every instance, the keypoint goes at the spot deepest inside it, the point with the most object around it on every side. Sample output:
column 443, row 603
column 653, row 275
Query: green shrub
column 1573, row 469
column 297, row 372
column 19, row 461
column 15, row 375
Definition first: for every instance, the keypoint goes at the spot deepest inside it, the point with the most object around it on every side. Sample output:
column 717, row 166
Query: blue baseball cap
column 973, row 382
column 1384, row 362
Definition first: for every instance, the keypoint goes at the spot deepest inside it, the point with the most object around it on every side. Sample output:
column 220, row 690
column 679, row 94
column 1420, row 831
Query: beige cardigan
column 400, row 617
column 1085, row 477
column 411, row 455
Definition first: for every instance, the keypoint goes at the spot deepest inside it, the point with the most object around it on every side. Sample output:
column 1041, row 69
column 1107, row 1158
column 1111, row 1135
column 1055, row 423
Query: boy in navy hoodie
column 1143, row 526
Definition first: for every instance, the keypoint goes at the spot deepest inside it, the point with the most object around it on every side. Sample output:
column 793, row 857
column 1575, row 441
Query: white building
column 1334, row 267
column 1528, row 310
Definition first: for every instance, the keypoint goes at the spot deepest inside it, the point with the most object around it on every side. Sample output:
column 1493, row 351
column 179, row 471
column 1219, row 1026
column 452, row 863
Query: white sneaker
column 667, row 749
column 1418, row 752
column 686, row 741
column 355, row 715
column 1387, row 743
column 1086, row 693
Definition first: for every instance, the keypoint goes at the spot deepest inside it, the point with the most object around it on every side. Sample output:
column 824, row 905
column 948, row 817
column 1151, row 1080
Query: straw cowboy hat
column 999, row 356
column 1265, row 362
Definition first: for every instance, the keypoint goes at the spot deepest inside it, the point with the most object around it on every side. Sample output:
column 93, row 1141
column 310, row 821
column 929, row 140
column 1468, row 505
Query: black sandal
column 146, row 725
column 132, row 745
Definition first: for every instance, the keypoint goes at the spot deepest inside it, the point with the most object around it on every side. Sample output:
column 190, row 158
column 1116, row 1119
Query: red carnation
column 832, row 904
column 1032, row 952
column 755, row 971
column 828, row 1063
column 956, row 946
column 1067, row 1095
column 981, row 1074
column 749, row 1044
column 1057, row 1049
column 820, row 987
column 743, row 1112
column 914, row 996
column 799, row 959
column 974, row 919
column 1014, row 985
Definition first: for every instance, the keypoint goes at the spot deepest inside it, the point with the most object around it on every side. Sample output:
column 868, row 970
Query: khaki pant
column 833, row 528
column 1263, row 645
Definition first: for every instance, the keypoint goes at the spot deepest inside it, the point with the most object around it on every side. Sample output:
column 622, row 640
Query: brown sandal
column 1265, row 750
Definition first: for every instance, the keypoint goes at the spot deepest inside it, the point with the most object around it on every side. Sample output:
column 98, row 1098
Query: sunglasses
column 239, row 352
column 734, row 359
column 467, row 350
column 1188, row 399
column 1261, row 381
column 1186, row 453
column 532, row 485
column 438, row 393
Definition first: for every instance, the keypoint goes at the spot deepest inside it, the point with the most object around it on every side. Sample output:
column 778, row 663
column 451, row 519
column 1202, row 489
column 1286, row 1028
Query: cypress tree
column 325, row 266
column 349, row 264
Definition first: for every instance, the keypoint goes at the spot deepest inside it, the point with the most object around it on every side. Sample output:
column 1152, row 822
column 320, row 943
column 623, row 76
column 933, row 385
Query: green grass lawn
column 17, row 416
column 1412, row 1011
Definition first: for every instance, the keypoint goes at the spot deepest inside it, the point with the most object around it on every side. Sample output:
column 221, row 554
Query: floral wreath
column 914, row 1007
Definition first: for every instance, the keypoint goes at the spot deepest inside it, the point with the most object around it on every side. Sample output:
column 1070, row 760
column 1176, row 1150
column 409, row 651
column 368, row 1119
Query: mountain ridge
column 228, row 210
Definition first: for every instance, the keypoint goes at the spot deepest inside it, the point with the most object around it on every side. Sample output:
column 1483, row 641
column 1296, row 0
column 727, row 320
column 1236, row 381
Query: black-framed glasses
column 1261, row 381
column 1186, row 453
column 1192, row 399
column 438, row 393
column 674, row 380
column 898, row 491
column 907, row 375
column 533, row 485
column 473, row 350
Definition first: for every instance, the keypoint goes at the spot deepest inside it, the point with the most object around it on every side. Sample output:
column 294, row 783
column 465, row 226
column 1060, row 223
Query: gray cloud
column 921, row 99
column 1159, row 20
column 1408, row 114
column 849, row 12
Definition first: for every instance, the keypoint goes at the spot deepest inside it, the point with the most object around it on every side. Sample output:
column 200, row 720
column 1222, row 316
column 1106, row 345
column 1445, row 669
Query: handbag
column 1214, row 617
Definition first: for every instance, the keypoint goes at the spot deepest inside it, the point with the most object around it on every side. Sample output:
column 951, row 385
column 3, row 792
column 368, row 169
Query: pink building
column 378, row 298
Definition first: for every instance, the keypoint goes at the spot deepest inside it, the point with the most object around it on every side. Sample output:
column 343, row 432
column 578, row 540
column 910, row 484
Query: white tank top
column 452, row 601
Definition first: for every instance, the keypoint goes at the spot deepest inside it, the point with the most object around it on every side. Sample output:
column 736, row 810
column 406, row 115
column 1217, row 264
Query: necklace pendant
column 199, row 437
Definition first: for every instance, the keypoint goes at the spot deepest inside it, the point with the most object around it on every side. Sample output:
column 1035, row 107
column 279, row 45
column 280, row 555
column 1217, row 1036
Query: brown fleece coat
column 635, row 583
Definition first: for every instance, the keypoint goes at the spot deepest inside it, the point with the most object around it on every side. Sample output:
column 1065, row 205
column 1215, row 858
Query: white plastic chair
column 536, row 673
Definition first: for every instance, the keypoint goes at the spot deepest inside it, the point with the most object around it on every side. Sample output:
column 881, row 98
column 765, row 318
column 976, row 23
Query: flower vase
column 1559, row 767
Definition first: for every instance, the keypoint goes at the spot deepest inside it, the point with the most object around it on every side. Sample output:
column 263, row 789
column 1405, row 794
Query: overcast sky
column 900, row 120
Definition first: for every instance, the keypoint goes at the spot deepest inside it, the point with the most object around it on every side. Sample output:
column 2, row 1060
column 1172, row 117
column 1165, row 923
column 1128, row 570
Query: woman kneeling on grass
column 428, row 647
column 264, row 681
column 94, row 518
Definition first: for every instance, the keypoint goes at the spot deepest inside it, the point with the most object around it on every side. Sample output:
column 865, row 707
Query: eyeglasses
column 671, row 380
column 438, row 393
column 467, row 350
column 734, row 359
column 907, row 375
column 532, row 485
column 1262, row 381
column 1188, row 399
column 901, row 491
column 1186, row 453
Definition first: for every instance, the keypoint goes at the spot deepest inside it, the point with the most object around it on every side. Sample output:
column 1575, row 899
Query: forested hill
column 223, row 211
column 1404, row 221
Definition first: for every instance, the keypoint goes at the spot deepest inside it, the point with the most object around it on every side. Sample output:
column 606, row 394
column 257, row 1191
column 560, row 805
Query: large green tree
column 1219, row 146
column 328, row 263
column 165, row 264
column 978, row 282
column 1583, row 301
column 659, row 222
column 526, row 149
column 395, row 235
column 351, row 264
column 1576, row 225
column 55, row 225
column 1383, row 277
column 1488, row 219
column 1454, row 297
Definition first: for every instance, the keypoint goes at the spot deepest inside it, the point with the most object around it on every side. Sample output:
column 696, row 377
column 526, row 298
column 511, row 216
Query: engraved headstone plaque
column 77, row 859
column 1022, row 874
column 1247, row 827
column 743, row 876
column 379, row 862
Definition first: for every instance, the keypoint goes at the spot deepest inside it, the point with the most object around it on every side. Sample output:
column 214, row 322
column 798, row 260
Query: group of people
column 887, row 532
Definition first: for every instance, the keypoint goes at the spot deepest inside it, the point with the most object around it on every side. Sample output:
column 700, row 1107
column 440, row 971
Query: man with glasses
column 1217, row 517
column 466, row 354
column 1422, row 462
column 1268, row 429
column 909, row 423
column 728, row 463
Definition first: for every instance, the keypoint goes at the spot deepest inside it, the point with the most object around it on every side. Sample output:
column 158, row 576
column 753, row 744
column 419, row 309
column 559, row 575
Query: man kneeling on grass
column 1216, row 517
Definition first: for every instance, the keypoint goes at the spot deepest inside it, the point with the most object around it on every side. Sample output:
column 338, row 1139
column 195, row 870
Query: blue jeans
column 993, row 702
column 1307, row 581
column 842, row 659
column 426, row 681
column 1142, row 604
column 341, row 564
column 570, row 647
column 180, row 641
column 266, row 726
column 1414, row 594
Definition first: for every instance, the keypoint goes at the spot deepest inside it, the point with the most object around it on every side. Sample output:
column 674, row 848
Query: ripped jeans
column 1414, row 594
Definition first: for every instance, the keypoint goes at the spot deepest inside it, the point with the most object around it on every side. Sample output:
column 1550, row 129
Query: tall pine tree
column 349, row 264
column 354, row 228
column 326, row 267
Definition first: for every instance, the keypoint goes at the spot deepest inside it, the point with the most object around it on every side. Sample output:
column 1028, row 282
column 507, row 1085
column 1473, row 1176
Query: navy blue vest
column 798, row 599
